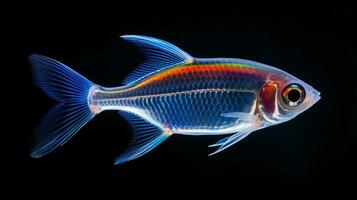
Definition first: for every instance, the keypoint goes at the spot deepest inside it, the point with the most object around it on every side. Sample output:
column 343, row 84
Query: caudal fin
column 71, row 90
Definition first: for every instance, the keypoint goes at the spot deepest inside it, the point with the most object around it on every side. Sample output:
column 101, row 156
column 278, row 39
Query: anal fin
column 146, row 137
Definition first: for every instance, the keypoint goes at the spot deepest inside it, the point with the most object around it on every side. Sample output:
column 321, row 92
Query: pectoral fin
column 246, row 117
column 229, row 141
column 220, row 142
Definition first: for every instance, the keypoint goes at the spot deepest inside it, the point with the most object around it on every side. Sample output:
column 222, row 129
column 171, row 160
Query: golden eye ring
column 293, row 95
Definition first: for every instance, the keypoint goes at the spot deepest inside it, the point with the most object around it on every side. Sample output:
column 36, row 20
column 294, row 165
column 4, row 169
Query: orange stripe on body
column 191, row 69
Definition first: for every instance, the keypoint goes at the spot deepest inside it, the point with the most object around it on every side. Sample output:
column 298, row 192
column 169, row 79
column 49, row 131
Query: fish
column 169, row 93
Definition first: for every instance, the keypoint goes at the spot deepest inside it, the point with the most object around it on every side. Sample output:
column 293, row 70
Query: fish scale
column 201, row 109
column 205, row 90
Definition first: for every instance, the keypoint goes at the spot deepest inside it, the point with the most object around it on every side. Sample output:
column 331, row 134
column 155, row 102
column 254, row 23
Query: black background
column 315, row 151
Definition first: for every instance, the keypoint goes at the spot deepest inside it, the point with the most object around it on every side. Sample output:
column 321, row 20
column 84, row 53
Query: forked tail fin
column 70, row 89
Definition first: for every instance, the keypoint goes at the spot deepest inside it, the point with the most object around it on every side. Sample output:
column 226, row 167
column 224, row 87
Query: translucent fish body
column 192, row 98
column 171, row 92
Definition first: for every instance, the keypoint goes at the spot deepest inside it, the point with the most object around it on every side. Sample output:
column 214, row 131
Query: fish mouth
column 316, row 96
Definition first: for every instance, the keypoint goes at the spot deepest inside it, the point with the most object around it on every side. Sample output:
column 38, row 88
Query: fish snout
column 315, row 96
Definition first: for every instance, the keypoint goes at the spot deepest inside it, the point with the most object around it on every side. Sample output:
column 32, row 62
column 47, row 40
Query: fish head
column 283, row 97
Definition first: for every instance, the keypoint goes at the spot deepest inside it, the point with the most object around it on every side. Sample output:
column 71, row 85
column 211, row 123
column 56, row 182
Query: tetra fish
column 170, row 93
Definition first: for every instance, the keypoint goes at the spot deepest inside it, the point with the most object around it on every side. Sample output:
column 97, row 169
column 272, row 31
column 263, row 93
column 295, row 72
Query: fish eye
column 293, row 95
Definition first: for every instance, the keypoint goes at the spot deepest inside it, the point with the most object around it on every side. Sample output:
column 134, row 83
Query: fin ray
column 69, row 88
column 220, row 142
column 146, row 137
column 226, row 142
column 229, row 141
column 158, row 55
column 246, row 117
column 58, row 126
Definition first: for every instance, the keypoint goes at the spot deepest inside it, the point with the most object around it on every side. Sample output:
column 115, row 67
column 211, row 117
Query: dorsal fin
column 158, row 55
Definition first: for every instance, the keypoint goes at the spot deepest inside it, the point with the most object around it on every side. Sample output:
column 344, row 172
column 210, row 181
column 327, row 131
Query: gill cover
column 269, row 100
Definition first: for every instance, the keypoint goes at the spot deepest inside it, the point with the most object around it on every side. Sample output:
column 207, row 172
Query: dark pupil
column 294, row 95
